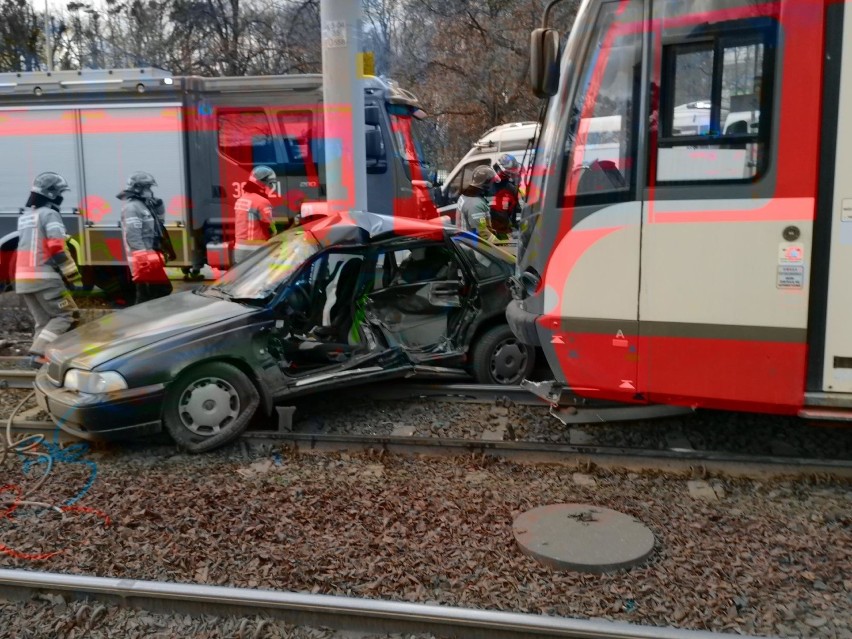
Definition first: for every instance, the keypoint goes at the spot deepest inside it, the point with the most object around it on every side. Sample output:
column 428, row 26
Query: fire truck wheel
column 499, row 358
column 209, row 406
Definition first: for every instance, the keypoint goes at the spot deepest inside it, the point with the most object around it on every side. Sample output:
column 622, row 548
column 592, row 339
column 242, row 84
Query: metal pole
column 47, row 35
column 343, row 96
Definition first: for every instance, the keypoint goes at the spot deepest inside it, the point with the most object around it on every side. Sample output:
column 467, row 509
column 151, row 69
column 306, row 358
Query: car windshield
column 267, row 268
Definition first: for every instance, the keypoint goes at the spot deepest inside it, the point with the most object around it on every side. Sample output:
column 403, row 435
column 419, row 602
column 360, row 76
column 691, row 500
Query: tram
column 703, row 256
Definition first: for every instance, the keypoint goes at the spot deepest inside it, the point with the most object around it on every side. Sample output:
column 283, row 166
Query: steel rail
column 17, row 378
column 545, row 452
column 343, row 613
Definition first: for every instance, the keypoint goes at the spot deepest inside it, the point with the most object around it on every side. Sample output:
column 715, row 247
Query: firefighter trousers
column 54, row 312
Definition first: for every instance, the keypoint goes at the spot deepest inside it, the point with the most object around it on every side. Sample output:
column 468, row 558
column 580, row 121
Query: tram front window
column 599, row 143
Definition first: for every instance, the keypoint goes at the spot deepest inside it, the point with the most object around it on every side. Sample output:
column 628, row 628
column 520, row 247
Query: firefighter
column 504, row 211
column 145, row 239
column 253, row 213
column 43, row 263
column 474, row 214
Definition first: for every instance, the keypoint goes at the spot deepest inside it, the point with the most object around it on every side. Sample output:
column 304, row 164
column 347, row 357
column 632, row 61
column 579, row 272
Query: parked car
column 343, row 300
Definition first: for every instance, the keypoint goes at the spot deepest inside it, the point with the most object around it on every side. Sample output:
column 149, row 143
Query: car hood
column 119, row 333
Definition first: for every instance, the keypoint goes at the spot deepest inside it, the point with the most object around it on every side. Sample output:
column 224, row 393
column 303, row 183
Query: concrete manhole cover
column 582, row 537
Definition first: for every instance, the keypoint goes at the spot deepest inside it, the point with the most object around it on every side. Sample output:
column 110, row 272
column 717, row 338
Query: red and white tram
column 688, row 235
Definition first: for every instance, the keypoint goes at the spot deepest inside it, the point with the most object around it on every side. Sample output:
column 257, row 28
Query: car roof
column 364, row 227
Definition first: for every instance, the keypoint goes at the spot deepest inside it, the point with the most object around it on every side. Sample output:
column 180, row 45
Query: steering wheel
column 298, row 300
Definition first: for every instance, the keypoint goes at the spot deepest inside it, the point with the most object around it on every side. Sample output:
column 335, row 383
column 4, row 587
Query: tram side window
column 599, row 144
column 711, row 97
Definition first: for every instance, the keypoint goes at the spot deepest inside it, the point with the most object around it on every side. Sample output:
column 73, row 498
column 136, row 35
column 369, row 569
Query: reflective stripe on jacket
column 474, row 215
column 34, row 270
column 252, row 220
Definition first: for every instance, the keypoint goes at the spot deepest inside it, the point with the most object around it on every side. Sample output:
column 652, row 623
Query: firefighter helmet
column 263, row 176
column 140, row 181
column 482, row 175
column 507, row 163
column 49, row 184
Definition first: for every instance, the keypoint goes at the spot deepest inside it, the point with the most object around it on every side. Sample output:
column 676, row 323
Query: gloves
column 67, row 270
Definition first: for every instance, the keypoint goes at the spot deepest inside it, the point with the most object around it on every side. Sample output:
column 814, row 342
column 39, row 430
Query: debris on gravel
column 762, row 558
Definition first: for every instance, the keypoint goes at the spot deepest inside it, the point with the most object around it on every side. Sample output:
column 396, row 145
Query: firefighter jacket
column 42, row 260
column 506, row 206
column 252, row 221
column 142, row 236
column 474, row 215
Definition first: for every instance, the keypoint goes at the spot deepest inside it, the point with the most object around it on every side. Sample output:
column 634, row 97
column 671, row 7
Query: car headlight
column 93, row 383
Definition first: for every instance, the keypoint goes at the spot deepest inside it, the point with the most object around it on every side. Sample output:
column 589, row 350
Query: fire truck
column 707, row 262
column 200, row 138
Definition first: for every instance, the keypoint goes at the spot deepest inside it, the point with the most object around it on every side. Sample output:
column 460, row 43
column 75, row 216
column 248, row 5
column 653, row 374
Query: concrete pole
column 343, row 97
column 47, row 36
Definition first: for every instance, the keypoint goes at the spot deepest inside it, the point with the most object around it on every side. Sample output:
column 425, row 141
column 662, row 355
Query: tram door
column 727, row 218
column 837, row 362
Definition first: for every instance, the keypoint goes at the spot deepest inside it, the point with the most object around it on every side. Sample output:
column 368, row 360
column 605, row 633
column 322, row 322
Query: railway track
column 16, row 377
column 636, row 459
column 492, row 442
column 341, row 613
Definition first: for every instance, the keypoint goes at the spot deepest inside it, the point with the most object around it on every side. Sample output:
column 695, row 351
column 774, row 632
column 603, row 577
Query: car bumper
column 117, row 415
column 523, row 324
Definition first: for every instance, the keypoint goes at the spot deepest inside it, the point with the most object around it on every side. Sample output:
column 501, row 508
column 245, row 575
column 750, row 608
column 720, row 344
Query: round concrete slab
column 582, row 537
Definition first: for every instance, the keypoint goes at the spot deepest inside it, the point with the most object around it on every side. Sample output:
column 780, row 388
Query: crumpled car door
column 378, row 364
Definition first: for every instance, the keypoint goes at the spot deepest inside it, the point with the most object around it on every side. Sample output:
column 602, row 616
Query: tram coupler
column 549, row 390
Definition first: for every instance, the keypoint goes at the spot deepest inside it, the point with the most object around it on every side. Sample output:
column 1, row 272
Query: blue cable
column 72, row 454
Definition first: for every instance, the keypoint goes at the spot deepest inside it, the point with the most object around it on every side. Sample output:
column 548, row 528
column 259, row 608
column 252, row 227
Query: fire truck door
column 116, row 142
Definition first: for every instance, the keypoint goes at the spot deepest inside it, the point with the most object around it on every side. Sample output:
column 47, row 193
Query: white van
column 515, row 138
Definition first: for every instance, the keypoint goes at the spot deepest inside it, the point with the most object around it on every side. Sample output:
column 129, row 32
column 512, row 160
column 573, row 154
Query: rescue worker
column 253, row 213
column 43, row 264
column 145, row 240
column 474, row 214
column 504, row 211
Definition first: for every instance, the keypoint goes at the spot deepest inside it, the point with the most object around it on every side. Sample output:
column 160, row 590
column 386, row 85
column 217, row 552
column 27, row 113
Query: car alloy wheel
column 508, row 361
column 499, row 358
column 208, row 405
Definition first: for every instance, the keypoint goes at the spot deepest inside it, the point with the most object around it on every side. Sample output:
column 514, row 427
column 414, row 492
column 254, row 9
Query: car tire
column 500, row 358
column 209, row 406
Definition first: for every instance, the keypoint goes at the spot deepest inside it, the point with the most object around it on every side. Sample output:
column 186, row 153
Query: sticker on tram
column 791, row 276
column 791, row 254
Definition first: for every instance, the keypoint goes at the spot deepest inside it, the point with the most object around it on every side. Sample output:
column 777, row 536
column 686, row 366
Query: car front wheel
column 499, row 358
column 209, row 406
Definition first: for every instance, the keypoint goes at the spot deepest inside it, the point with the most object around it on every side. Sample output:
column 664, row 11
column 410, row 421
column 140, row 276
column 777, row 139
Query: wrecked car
column 347, row 299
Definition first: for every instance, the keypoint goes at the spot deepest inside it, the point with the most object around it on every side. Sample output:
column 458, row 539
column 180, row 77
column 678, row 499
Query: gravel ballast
column 756, row 557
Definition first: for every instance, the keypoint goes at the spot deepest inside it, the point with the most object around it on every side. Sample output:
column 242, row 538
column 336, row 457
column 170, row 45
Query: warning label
column 791, row 276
